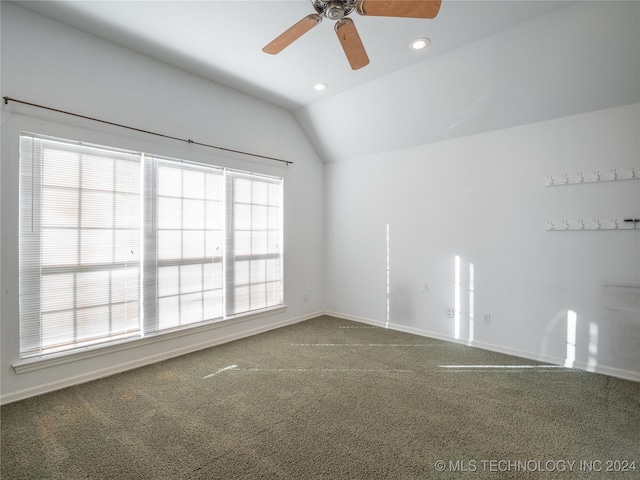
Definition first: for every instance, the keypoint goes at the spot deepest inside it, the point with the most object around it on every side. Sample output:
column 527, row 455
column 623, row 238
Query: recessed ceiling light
column 420, row 43
column 320, row 86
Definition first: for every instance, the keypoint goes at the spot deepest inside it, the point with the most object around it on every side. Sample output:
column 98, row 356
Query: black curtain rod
column 9, row 99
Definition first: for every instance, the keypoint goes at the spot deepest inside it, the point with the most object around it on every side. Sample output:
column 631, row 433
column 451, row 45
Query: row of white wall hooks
column 597, row 176
column 630, row 224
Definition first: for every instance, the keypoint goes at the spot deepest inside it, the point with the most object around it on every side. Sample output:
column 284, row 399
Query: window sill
column 38, row 363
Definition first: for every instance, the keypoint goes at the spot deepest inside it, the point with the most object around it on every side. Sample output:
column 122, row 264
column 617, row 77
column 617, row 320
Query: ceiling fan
column 348, row 36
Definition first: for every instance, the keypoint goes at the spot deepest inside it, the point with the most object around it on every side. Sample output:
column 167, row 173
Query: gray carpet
column 330, row 399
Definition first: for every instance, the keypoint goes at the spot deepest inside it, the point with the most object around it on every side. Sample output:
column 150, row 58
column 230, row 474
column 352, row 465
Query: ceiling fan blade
column 290, row 35
column 351, row 43
column 399, row 8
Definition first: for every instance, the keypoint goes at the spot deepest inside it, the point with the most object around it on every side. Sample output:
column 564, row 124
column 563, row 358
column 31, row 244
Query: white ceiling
column 222, row 40
column 491, row 64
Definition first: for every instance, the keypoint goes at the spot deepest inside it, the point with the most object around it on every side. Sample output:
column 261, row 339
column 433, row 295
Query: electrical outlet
column 450, row 312
column 306, row 296
column 486, row 318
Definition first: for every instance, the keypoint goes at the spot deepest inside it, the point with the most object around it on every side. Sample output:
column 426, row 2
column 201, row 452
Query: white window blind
column 187, row 220
column 79, row 245
column 116, row 245
column 255, row 273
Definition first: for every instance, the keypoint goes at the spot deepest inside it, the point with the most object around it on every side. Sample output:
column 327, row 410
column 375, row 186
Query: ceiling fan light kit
column 345, row 28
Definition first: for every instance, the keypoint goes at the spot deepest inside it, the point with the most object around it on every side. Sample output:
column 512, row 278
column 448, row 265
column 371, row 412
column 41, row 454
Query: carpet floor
column 330, row 399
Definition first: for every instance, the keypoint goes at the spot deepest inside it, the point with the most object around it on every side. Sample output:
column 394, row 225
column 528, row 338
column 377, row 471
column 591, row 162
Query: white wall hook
column 579, row 178
column 595, row 224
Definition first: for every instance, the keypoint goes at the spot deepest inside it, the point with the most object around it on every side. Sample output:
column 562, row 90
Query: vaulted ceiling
column 491, row 64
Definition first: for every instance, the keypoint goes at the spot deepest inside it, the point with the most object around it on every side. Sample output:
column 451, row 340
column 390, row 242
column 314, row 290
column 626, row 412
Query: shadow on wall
column 612, row 339
column 400, row 300
column 402, row 304
column 617, row 344
column 622, row 311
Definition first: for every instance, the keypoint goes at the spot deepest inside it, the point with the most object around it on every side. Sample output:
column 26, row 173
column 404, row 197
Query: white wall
column 48, row 63
column 483, row 198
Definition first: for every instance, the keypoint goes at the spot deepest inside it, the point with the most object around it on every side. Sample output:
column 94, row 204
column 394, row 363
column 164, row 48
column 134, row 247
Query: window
column 117, row 245
column 255, row 280
column 185, row 253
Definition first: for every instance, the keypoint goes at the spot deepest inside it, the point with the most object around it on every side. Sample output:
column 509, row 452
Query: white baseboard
column 601, row 369
column 148, row 360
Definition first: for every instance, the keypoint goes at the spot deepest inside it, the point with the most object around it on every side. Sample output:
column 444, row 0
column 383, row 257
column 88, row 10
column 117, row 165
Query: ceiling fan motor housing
column 334, row 9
